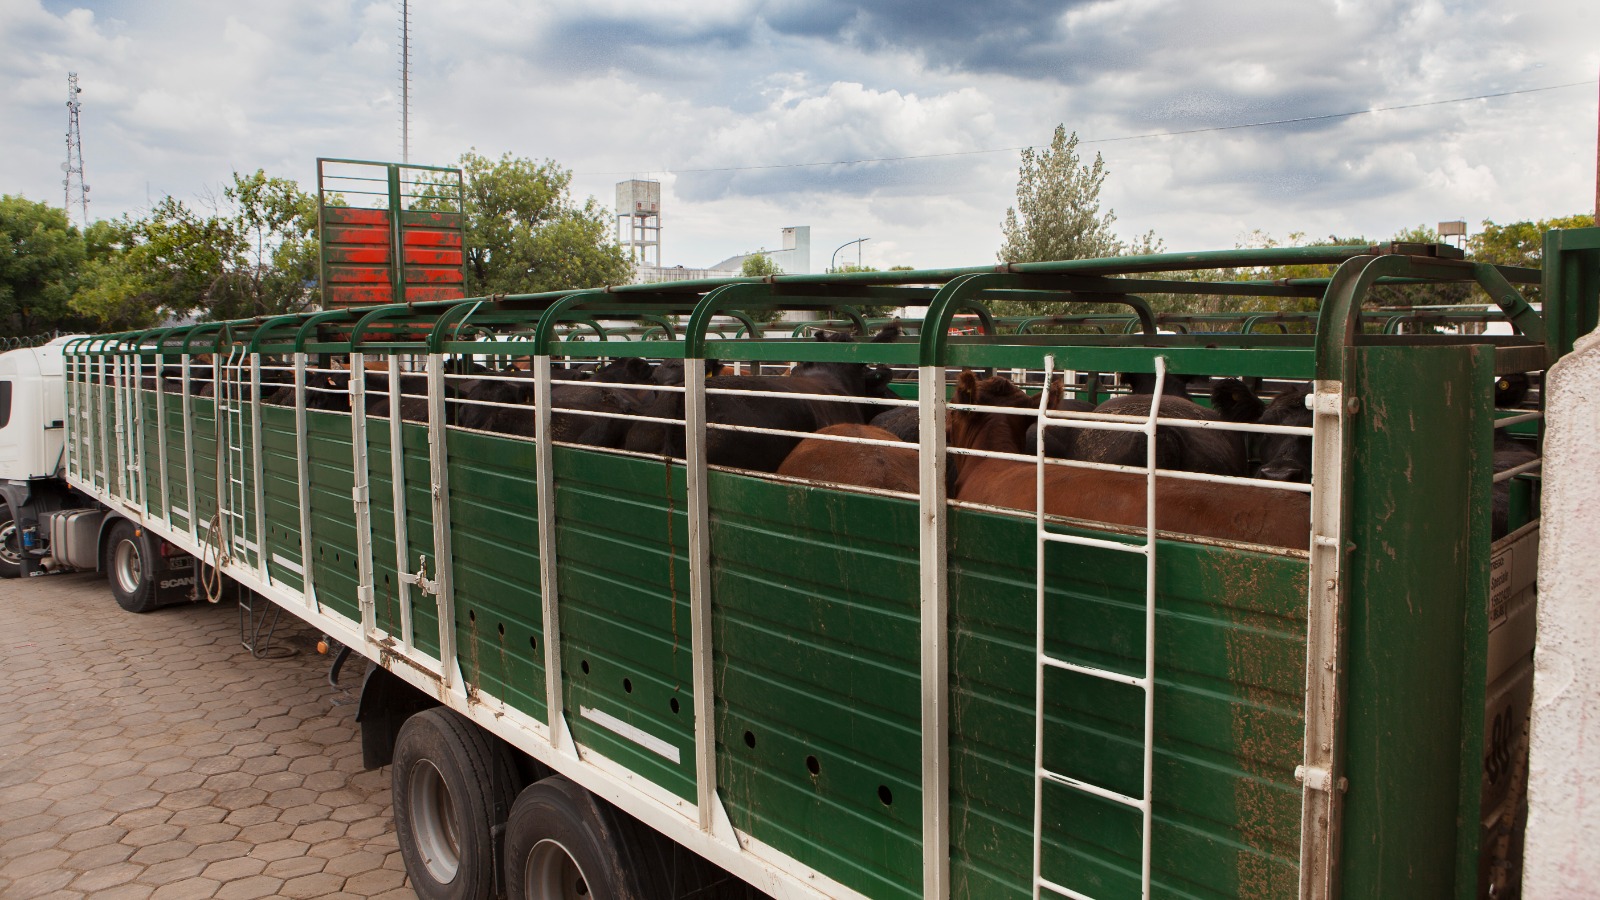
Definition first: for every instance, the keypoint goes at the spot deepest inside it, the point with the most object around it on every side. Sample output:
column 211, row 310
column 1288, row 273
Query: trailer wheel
column 130, row 563
column 563, row 843
column 10, row 544
column 453, row 788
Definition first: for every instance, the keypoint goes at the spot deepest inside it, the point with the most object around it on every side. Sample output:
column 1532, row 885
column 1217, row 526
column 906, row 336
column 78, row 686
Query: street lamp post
column 833, row 259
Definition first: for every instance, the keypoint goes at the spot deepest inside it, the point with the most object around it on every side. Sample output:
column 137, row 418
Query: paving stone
column 307, row 886
column 226, row 870
column 187, row 889
column 294, row 866
column 251, row 888
column 134, row 759
column 375, row 881
column 105, row 877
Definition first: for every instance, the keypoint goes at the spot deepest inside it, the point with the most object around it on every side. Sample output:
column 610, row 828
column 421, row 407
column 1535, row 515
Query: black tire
column 129, row 559
column 564, row 843
column 10, row 544
column 453, row 788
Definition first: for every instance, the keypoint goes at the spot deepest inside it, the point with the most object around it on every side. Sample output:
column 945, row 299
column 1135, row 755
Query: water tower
column 639, row 221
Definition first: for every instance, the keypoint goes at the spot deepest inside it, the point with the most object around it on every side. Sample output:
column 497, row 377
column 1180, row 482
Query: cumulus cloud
column 719, row 99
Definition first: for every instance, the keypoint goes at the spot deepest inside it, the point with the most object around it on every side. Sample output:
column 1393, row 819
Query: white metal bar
column 188, row 447
column 1514, row 471
column 439, row 466
column 1094, row 789
column 1038, row 633
column 302, row 444
column 1518, row 418
column 258, row 467
column 699, row 515
column 361, row 492
column 1150, row 626
column 549, row 584
column 934, row 623
column 397, row 478
column 1094, row 672
column 1095, row 542
column 1320, row 797
column 161, row 433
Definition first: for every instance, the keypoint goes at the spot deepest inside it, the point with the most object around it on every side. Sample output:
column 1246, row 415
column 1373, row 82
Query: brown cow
column 864, row 465
column 1222, row 511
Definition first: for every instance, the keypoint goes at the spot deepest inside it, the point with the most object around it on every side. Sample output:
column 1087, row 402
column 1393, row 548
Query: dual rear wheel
column 455, row 795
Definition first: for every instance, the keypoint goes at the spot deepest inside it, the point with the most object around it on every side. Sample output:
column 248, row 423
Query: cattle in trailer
column 1178, row 448
column 861, row 465
column 766, row 452
column 1256, row 515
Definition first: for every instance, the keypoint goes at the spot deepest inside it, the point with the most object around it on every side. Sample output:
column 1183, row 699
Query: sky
column 896, row 120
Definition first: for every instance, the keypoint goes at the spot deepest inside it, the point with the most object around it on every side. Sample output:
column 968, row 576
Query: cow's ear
column 966, row 387
column 888, row 334
column 878, row 377
column 713, row 367
column 1235, row 402
column 1055, row 391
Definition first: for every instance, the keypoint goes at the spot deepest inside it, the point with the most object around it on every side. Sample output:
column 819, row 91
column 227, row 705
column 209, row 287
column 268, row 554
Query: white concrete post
column 1563, row 837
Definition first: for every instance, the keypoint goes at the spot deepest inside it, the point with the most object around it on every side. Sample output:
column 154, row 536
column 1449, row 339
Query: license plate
column 180, row 563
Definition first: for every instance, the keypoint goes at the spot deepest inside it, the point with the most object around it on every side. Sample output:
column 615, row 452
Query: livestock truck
column 640, row 673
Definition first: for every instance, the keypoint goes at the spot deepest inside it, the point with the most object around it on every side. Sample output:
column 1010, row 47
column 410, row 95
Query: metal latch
column 420, row 577
column 1319, row 779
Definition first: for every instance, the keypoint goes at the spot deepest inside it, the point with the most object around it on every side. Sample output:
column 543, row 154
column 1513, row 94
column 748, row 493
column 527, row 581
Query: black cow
column 1145, row 383
column 1177, row 448
column 1280, row 457
column 766, row 452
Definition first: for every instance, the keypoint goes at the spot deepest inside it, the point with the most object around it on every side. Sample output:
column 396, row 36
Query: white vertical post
column 545, row 484
column 188, row 449
column 699, row 515
column 1318, row 774
column 397, row 475
column 934, row 621
column 302, row 446
column 161, row 433
column 258, row 468
column 438, row 462
column 360, row 493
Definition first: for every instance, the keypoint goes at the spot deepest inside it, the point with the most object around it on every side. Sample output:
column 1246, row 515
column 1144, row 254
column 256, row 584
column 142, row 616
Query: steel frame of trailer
column 1345, row 366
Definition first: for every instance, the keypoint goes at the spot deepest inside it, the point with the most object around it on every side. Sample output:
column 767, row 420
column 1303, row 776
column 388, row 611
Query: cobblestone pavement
column 152, row 756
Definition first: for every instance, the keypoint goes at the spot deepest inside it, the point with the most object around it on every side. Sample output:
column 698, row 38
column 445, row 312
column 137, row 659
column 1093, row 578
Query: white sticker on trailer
column 638, row 736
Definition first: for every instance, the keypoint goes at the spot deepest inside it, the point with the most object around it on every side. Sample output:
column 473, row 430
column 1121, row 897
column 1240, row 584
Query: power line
column 1130, row 137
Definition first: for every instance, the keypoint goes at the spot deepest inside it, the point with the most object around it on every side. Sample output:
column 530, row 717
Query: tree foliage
column 39, row 266
column 525, row 234
column 257, row 256
column 1058, row 213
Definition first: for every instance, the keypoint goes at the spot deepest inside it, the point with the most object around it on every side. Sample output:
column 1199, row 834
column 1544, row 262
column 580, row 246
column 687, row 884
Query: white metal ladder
column 1044, row 661
column 234, row 493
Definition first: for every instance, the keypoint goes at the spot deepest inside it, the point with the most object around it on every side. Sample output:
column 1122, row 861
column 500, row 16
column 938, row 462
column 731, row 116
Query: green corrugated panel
column 281, row 478
column 1416, row 580
column 815, row 597
column 151, row 429
column 495, row 540
column 626, row 648
column 333, row 532
column 177, row 470
column 203, row 438
column 1230, row 669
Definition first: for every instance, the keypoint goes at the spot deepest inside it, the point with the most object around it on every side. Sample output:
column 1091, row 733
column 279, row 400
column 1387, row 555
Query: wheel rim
column 433, row 820
column 128, row 566
column 9, row 552
column 551, row 873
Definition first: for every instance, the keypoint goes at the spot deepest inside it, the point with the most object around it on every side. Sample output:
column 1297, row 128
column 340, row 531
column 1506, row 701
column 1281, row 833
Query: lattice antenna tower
column 405, row 81
column 76, row 191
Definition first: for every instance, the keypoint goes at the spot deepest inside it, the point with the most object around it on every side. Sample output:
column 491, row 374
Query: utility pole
column 405, row 81
column 76, row 190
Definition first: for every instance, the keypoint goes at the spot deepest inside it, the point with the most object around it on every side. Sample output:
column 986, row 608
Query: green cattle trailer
column 836, row 692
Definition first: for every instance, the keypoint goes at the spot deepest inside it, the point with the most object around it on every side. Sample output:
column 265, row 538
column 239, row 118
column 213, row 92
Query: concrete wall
column 1563, row 837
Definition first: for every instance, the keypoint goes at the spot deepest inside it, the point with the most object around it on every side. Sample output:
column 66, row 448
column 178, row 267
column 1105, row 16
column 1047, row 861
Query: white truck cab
column 32, row 412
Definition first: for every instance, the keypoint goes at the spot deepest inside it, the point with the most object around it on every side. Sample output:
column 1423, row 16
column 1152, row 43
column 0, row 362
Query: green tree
column 256, row 257
column 38, row 268
column 759, row 265
column 525, row 234
column 1520, row 244
column 1058, row 213
column 1058, row 216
